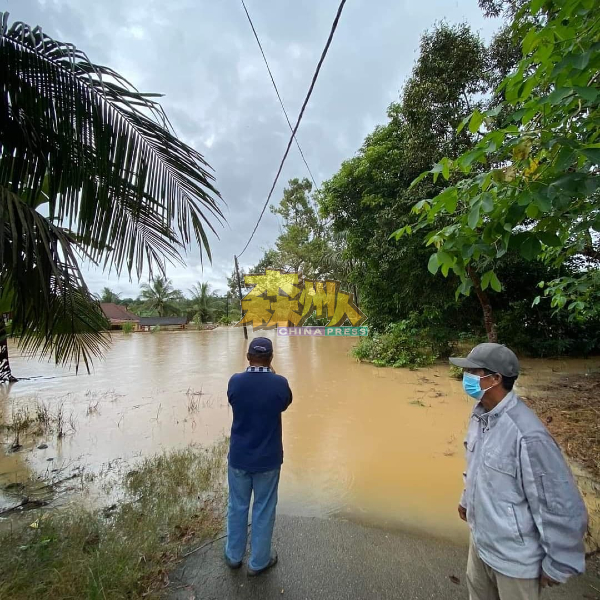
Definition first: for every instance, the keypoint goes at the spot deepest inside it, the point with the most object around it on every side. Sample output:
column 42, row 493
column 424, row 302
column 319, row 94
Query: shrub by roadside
column 414, row 342
column 169, row 502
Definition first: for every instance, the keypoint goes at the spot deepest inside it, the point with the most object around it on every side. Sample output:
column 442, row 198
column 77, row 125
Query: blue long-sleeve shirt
column 523, row 506
column 258, row 397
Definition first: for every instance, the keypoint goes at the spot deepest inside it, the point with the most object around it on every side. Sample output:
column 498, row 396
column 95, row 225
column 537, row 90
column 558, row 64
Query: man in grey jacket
column 526, row 515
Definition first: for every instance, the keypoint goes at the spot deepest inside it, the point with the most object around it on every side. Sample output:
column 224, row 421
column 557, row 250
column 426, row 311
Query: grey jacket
column 523, row 506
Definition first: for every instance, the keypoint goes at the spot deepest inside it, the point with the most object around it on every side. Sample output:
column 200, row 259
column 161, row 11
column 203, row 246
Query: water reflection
column 382, row 446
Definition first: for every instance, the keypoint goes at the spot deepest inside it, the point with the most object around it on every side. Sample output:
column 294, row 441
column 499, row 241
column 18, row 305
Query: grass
column 43, row 416
column 418, row 403
column 193, row 400
column 169, row 501
column 21, row 422
column 40, row 421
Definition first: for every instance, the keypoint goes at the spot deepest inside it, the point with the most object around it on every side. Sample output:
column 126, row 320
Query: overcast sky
column 202, row 55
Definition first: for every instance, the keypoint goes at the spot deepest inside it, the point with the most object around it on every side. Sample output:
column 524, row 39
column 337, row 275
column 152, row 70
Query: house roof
column 116, row 312
column 153, row 321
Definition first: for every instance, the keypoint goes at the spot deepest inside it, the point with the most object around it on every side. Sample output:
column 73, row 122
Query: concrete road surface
column 338, row 560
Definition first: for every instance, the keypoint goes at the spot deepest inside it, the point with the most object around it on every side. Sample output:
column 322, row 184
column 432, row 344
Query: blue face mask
column 472, row 385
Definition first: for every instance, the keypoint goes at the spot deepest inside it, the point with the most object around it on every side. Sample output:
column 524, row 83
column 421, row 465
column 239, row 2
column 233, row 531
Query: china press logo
column 285, row 301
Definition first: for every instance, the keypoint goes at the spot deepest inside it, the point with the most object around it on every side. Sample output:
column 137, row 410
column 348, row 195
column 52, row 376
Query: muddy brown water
column 380, row 446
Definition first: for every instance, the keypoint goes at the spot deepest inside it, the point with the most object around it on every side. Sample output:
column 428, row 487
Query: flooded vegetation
column 126, row 549
column 376, row 445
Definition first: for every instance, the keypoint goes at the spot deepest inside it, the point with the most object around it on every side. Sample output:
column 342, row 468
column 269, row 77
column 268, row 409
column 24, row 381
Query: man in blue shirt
column 257, row 396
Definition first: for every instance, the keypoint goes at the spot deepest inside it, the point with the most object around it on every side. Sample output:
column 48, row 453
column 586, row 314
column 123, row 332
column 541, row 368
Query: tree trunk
column 486, row 307
column 6, row 375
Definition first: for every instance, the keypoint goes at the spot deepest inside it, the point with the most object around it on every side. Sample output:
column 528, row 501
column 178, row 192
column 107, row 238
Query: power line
column 310, row 90
column 277, row 92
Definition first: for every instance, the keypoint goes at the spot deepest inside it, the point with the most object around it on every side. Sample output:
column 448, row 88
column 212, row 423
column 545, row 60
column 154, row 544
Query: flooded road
column 378, row 446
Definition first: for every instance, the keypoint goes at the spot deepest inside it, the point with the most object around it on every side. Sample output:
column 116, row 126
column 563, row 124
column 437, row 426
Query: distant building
column 146, row 323
column 118, row 315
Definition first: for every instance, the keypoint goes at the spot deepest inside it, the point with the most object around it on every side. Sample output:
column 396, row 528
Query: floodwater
column 380, row 446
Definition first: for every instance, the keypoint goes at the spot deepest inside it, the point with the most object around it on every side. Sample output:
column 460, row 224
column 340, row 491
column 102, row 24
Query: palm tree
column 89, row 168
column 160, row 296
column 109, row 296
column 204, row 302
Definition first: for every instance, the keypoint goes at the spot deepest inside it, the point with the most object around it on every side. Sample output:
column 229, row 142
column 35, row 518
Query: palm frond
column 53, row 311
column 121, row 190
column 104, row 154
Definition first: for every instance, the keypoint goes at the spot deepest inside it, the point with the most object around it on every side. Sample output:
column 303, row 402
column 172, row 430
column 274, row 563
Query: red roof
column 116, row 312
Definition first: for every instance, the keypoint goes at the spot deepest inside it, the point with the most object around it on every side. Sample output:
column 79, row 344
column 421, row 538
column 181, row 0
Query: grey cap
column 494, row 357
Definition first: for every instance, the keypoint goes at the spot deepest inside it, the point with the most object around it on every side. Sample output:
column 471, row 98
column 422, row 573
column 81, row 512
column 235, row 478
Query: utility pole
column 237, row 273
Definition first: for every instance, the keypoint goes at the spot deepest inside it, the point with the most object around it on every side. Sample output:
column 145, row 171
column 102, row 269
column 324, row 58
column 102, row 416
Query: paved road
column 338, row 560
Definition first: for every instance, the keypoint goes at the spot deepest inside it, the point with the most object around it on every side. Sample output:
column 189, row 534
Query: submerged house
column 147, row 323
column 118, row 315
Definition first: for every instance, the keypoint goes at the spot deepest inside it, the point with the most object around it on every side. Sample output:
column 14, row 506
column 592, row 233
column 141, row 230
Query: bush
column 456, row 372
column 313, row 321
column 401, row 345
column 414, row 342
column 539, row 331
column 128, row 327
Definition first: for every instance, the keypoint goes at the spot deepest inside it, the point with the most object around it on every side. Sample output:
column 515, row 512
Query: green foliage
column 414, row 342
column 128, row 327
column 536, row 331
column 205, row 304
column 455, row 372
column 160, row 296
column 400, row 345
column 307, row 244
column 531, row 182
column 314, row 321
column 170, row 502
column 109, row 296
column 300, row 246
column 370, row 195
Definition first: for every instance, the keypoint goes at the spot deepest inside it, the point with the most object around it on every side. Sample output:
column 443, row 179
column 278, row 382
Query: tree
column 302, row 241
column 89, row 167
column 371, row 192
column 306, row 244
column 531, row 183
column 204, row 303
column 109, row 296
column 159, row 296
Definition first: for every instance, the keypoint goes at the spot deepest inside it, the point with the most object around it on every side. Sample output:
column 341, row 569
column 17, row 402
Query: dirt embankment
column 570, row 408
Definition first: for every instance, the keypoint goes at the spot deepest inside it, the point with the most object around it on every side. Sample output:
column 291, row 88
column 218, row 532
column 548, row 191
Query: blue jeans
column 241, row 486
